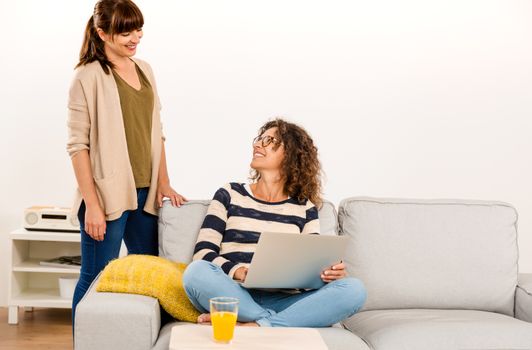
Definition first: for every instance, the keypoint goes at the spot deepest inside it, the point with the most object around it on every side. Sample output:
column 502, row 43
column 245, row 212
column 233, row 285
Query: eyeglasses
column 266, row 140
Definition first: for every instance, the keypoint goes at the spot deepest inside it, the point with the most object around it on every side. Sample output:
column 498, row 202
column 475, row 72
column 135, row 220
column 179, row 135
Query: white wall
column 404, row 98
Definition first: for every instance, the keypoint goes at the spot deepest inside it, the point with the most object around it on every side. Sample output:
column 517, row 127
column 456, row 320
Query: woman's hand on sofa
column 164, row 190
column 336, row 272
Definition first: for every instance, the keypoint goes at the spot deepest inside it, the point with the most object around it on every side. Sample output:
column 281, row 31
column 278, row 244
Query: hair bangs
column 126, row 17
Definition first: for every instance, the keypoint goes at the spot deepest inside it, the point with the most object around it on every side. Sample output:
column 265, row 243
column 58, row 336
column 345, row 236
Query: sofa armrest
column 116, row 321
column 523, row 297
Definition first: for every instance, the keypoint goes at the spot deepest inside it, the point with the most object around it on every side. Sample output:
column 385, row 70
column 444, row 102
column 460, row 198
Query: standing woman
column 115, row 142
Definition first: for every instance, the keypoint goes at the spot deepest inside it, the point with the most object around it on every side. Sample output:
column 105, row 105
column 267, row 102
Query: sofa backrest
column 179, row 227
column 444, row 254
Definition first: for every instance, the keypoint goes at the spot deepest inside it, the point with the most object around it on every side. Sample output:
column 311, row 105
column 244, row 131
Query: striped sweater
column 235, row 219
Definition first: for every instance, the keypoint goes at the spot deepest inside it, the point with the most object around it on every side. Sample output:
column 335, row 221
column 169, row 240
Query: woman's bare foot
column 204, row 319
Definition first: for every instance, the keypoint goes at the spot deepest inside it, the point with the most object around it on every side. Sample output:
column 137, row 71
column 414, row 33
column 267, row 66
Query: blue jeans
column 136, row 227
column 316, row 308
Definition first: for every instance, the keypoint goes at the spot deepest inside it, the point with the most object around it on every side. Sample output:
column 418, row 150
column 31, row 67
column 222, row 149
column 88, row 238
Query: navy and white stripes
column 235, row 219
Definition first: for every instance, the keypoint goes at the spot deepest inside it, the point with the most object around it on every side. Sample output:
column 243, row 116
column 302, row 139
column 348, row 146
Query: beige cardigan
column 95, row 123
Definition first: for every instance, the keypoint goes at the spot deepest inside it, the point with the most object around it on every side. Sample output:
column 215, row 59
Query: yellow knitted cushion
column 152, row 276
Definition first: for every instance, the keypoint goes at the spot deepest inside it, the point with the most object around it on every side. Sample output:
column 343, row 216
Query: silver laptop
column 288, row 260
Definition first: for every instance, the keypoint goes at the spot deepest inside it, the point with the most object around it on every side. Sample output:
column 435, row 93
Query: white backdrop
column 429, row 99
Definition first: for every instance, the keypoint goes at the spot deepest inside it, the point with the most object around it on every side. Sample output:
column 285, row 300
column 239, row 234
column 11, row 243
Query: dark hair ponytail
column 92, row 48
column 113, row 17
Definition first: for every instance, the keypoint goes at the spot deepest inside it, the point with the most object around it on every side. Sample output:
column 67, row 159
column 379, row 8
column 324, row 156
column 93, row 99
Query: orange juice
column 223, row 325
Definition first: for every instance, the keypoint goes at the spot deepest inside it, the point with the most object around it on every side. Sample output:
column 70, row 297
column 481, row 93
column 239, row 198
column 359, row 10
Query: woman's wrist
column 92, row 204
column 163, row 181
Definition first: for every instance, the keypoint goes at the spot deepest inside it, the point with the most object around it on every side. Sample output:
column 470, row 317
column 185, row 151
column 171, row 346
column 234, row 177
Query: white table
column 199, row 337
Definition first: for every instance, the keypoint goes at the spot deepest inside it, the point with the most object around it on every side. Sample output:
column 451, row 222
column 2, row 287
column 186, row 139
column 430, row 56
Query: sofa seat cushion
column 335, row 338
column 414, row 329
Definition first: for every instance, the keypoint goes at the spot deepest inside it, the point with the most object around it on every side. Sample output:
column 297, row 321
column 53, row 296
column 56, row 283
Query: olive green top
column 137, row 110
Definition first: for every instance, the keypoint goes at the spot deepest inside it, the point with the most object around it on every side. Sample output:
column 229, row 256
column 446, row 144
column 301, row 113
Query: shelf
column 38, row 297
column 23, row 234
column 33, row 265
column 31, row 284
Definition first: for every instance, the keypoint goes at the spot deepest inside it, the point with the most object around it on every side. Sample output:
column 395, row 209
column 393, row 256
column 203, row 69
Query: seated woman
column 283, row 197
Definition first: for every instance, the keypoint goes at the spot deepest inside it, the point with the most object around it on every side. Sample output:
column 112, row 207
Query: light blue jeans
column 316, row 308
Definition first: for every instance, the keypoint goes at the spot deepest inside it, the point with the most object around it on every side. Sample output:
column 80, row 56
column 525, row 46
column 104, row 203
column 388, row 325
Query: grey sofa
column 440, row 274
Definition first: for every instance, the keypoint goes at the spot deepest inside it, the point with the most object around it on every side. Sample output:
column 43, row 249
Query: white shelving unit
column 33, row 285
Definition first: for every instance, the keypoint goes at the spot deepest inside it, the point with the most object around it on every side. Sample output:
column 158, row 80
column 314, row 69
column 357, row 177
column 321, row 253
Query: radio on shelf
column 48, row 218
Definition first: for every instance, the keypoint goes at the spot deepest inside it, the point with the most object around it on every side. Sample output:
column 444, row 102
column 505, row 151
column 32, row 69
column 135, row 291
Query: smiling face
column 121, row 45
column 269, row 157
column 294, row 161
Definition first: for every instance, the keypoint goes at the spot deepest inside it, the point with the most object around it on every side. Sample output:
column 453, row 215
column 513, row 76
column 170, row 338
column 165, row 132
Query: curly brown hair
column 301, row 168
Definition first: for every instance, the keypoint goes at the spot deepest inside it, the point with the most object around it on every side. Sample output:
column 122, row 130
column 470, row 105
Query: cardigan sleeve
column 78, row 121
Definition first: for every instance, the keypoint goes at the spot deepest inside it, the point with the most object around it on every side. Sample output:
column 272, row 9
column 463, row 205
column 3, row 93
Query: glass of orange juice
column 224, row 312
